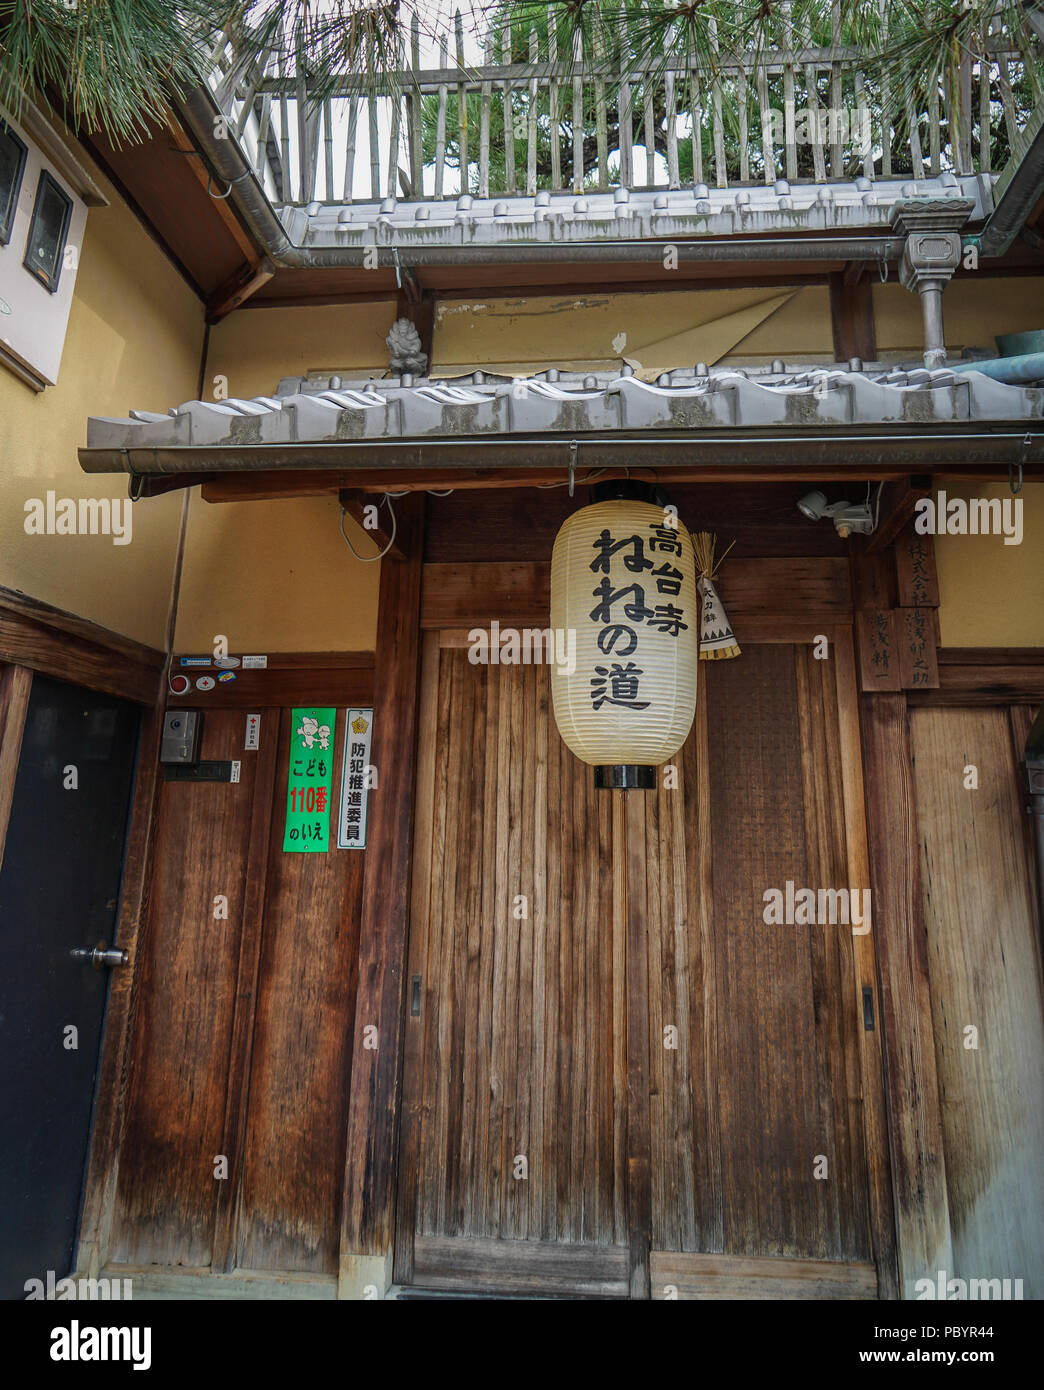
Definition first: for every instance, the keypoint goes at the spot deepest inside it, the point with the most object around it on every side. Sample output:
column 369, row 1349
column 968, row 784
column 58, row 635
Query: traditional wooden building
column 500, row 1030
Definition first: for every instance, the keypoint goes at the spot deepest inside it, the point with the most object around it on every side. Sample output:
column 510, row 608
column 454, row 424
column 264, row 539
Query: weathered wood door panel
column 764, row 1082
column 514, row 1071
column 516, row 1029
column 516, row 1037
column 977, row 881
column 242, row 1031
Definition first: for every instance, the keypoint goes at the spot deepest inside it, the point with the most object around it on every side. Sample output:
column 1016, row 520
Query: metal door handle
column 101, row 955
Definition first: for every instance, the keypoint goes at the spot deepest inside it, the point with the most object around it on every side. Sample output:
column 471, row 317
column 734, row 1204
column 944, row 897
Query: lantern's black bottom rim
column 625, row 777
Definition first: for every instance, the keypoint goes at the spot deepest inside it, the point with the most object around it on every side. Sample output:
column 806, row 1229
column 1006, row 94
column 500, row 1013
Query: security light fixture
column 846, row 516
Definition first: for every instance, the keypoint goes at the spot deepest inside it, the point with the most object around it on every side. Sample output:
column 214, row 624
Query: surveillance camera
column 813, row 505
column 848, row 517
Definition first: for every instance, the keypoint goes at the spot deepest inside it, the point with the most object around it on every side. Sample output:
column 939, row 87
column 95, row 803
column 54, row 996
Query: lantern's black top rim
column 625, row 777
column 629, row 490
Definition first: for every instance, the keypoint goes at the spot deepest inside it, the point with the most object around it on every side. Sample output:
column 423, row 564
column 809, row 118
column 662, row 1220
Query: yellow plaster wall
column 992, row 594
column 653, row 332
column 255, row 348
column 975, row 310
column 277, row 576
column 134, row 341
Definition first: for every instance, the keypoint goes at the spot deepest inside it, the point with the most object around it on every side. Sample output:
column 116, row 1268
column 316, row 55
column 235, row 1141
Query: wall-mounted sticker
column 252, row 735
column 226, row 663
column 255, row 663
column 205, row 682
column 309, row 780
column 195, row 661
column 351, row 823
column 236, row 765
column 227, row 676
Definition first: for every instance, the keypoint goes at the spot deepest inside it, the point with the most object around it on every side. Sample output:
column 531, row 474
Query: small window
column 12, row 167
column 47, row 232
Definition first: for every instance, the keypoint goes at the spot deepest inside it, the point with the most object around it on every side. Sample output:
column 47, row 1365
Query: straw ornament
column 717, row 640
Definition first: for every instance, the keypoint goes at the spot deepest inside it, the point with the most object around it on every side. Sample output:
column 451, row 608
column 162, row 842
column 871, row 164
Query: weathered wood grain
column 369, row 1193
column 300, row 1068
column 984, row 963
column 180, row 1041
column 15, row 684
column 519, row 592
column 733, row 1277
column 917, row 1155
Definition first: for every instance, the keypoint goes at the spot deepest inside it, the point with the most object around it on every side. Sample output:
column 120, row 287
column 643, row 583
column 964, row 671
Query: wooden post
column 639, row 1190
column 15, row 684
column 911, row 1081
column 367, row 1219
column 852, row 316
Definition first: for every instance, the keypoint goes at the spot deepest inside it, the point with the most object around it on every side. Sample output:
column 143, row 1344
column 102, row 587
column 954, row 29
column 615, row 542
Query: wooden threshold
column 151, row 1284
column 758, row 1276
column 520, row 1266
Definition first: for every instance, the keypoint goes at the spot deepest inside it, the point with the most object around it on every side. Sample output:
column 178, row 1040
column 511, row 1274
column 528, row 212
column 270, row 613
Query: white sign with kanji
column 355, row 780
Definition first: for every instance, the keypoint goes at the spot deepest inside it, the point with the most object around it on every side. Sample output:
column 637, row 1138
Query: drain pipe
column 1033, row 767
column 1021, row 370
column 199, row 112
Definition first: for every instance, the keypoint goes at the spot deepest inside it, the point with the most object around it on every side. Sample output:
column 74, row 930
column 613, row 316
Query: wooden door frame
column 629, row 830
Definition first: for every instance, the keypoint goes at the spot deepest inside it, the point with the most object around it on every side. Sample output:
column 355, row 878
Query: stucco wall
column 992, row 594
column 652, row 332
column 277, row 576
column 975, row 310
column 134, row 341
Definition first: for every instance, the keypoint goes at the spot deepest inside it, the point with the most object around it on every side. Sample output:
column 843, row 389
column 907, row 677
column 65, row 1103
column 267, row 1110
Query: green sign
column 309, row 781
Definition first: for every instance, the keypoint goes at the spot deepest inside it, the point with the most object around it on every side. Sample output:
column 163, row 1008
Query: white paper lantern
column 623, row 580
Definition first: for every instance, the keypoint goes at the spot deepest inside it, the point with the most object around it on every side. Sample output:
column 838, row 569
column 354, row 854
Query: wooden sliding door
column 511, row 1161
column 764, row 1129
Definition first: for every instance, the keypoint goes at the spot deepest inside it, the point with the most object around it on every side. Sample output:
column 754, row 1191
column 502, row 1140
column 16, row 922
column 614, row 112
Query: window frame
column 49, row 282
column 7, row 215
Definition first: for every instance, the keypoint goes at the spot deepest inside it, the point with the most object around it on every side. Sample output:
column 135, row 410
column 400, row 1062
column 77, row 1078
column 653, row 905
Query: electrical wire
column 369, row 559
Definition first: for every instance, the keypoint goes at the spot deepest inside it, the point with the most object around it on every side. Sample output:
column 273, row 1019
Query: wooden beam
column 1003, row 678
column 912, row 1088
column 236, row 290
column 223, row 205
column 896, row 508
column 852, row 317
column 70, row 648
column 355, row 502
column 367, row 1222
column 461, row 595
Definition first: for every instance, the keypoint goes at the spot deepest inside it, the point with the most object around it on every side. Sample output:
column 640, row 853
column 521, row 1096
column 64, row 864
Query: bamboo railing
column 797, row 113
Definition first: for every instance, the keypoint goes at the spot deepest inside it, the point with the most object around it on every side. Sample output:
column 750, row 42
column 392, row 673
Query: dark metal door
column 59, row 887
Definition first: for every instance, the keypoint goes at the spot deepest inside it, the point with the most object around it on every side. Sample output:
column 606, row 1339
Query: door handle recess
column 101, row 956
